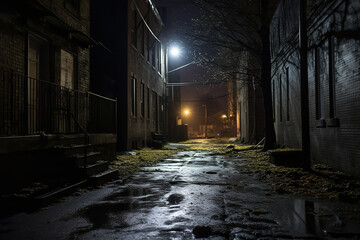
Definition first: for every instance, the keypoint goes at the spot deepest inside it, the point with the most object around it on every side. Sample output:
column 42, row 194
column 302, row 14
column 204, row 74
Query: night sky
column 179, row 15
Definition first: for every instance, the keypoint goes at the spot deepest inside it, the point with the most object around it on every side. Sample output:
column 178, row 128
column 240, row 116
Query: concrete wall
column 250, row 108
column 334, row 89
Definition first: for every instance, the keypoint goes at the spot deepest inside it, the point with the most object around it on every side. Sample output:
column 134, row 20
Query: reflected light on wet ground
column 192, row 192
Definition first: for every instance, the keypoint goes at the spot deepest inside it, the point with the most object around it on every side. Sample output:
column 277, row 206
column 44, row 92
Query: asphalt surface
column 192, row 194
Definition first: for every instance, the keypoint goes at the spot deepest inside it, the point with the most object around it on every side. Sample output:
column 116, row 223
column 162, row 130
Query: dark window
column 142, row 99
column 319, row 88
column 287, row 96
column 142, row 44
column 148, row 47
column 273, row 99
column 134, row 28
column 159, row 57
column 148, row 102
column 155, row 110
column 153, row 55
column 280, row 99
column 332, row 43
column 133, row 97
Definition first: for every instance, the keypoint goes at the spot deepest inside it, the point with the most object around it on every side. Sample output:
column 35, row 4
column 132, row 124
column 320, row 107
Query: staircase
column 82, row 166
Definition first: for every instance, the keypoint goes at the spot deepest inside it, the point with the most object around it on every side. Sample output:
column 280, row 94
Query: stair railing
column 86, row 136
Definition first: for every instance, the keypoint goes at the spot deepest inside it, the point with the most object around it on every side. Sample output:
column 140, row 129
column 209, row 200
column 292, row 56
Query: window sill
column 333, row 122
column 320, row 123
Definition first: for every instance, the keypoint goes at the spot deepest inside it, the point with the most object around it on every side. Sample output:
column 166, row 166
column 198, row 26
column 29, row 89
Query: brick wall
column 335, row 137
column 144, row 68
column 53, row 32
column 334, row 87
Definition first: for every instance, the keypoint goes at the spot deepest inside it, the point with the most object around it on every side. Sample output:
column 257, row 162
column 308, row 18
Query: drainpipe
column 304, row 86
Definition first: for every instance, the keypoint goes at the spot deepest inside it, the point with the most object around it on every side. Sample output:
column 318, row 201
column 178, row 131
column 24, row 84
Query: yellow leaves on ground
column 127, row 164
column 321, row 182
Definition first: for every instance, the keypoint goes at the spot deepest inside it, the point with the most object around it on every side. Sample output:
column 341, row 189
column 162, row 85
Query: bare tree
column 227, row 28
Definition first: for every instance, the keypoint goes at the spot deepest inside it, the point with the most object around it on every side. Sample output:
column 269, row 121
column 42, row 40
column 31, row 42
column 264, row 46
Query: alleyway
column 190, row 194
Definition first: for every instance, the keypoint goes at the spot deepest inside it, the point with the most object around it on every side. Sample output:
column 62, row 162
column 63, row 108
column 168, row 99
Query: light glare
column 174, row 51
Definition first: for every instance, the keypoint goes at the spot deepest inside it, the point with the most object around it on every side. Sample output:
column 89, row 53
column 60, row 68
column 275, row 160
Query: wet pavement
column 193, row 194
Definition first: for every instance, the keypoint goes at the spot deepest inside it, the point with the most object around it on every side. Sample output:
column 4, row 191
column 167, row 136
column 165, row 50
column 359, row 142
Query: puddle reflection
column 312, row 218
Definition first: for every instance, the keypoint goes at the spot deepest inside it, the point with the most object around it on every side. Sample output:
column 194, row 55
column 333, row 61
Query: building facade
column 44, row 85
column 333, row 74
column 129, row 65
column 249, row 101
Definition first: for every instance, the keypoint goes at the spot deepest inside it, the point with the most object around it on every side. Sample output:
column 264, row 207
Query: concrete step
column 103, row 177
column 68, row 151
column 94, row 168
column 79, row 159
column 59, row 193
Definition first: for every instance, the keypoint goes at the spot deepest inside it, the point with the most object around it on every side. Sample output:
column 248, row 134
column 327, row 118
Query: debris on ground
column 129, row 163
column 322, row 182
column 30, row 190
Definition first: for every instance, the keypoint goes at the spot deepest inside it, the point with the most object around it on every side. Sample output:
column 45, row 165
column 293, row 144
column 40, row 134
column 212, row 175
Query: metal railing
column 31, row 106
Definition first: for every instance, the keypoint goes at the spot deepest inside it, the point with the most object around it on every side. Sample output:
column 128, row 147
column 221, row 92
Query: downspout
column 304, row 86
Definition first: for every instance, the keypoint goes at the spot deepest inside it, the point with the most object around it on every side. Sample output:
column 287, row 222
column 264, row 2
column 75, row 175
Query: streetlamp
column 206, row 119
column 174, row 51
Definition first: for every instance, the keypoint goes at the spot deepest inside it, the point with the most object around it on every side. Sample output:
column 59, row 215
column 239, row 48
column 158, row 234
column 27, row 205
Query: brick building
column 333, row 75
column 131, row 68
column 45, row 101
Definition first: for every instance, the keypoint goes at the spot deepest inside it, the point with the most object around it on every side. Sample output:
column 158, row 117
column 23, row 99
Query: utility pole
column 303, row 41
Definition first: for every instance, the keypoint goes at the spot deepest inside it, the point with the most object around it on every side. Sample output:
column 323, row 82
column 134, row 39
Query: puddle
column 131, row 192
column 314, row 218
column 99, row 215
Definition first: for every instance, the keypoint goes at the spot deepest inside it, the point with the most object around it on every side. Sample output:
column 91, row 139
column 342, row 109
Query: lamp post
column 173, row 51
column 206, row 118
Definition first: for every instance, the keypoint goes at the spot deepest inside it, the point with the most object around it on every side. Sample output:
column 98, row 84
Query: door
column 67, row 95
column 32, row 85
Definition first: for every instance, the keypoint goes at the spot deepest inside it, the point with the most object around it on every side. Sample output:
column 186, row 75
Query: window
column 134, row 28
column 153, row 55
column 148, row 102
column 273, row 99
column 280, row 99
column 142, row 99
column 332, row 43
column 67, row 70
column 148, row 48
column 319, row 88
column 159, row 58
column 142, row 44
column 287, row 96
column 133, row 97
column 155, row 109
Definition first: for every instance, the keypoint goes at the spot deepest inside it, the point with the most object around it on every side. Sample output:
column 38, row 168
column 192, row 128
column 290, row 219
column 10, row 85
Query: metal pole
column 303, row 41
column 206, row 119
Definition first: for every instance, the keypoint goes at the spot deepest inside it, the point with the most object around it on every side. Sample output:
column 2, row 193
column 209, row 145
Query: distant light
column 174, row 51
column 186, row 112
column 224, row 116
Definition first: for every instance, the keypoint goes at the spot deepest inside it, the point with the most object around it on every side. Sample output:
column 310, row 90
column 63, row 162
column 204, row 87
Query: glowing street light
column 224, row 116
column 187, row 112
column 174, row 51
